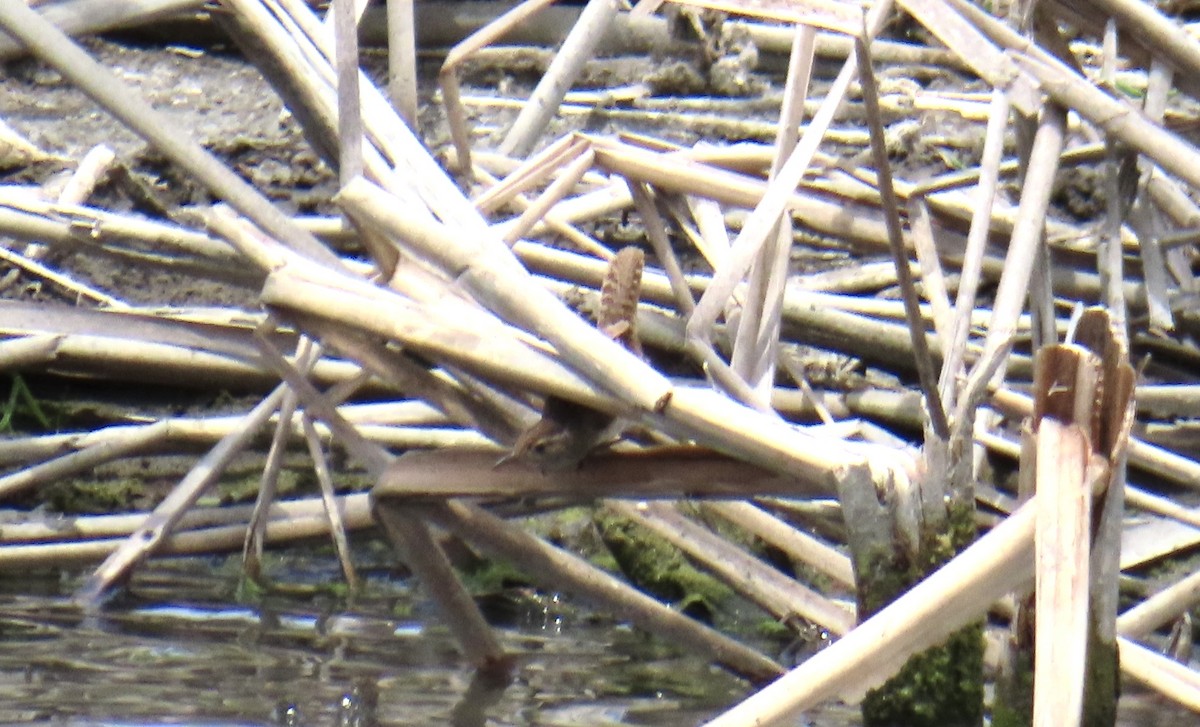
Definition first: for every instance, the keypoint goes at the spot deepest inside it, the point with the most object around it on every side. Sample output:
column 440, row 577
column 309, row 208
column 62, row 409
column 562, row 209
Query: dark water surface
column 182, row 649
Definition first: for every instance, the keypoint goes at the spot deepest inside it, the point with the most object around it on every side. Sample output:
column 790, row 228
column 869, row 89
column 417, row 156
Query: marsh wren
column 567, row 431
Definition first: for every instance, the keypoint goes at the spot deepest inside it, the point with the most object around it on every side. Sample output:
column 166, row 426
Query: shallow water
column 180, row 649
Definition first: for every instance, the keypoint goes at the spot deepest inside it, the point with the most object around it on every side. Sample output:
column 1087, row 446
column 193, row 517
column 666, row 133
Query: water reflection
column 181, row 650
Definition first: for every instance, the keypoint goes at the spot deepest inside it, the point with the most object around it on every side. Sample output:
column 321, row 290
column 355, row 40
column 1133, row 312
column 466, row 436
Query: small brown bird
column 567, row 431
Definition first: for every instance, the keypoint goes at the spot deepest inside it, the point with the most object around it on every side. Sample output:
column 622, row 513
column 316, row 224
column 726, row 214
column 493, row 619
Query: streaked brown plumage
column 567, row 431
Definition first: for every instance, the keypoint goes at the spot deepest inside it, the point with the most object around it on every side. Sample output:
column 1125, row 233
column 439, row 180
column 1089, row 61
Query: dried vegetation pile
column 983, row 349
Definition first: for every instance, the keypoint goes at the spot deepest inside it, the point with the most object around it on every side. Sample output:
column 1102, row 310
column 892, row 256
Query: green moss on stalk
column 244, row 487
column 1103, row 687
column 943, row 685
column 774, row 629
column 249, row 591
column 95, row 497
column 1013, row 706
column 1003, row 716
column 656, row 566
column 490, row 576
column 939, row 687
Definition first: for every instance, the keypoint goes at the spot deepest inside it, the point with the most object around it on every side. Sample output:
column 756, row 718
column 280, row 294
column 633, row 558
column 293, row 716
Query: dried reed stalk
column 783, row 597
column 82, row 17
column 796, row 543
column 402, row 60
column 508, row 333
column 559, row 569
column 953, row 596
column 1061, row 576
column 577, row 48
column 159, row 524
column 49, row 44
column 200, row 531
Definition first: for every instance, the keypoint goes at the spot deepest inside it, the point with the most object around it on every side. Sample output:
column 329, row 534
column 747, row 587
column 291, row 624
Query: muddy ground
column 228, row 107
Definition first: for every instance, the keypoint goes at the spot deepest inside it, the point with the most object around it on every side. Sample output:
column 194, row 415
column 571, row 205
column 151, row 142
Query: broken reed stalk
column 306, row 354
column 411, row 537
column 101, row 450
column 28, row 351
column 559, row 188
column 1161, row 608
column 932, row 277
column 79, row 227
column 69, row 285
column 972, row 264
column 336, row 525
column 508, row 192
column 527, row 174
column 1176, row 681
column 184, row 435
column 349, row 109
column 364, row 308
column 779, row 595
column 456, row 117
column 768, row 211
column 54, row 530
column 402, row 60
column 200, row 531
column 425, row 556
column 1061, row 577
column 563, row 571
column 1026, row 240
column 499, row 282
column 84, row 17
column 97, row 163
column 656, row 233
column 800, row 546
column 957, row 594
column 1083, row 393
column 159, row 524
column 492, row 415
column 252, row 548
column 756, row 343
column 656, row 472
column 1128, row 195
column 148, row 345
column 1098, row 330
column 577, row 49
column 916, row 324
